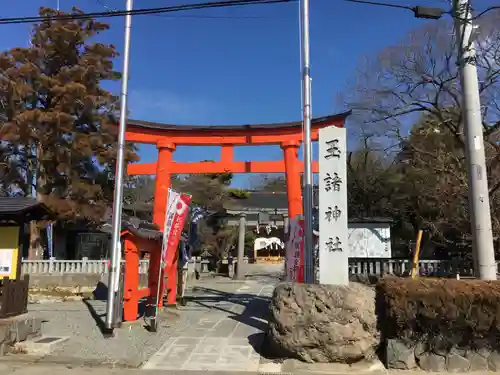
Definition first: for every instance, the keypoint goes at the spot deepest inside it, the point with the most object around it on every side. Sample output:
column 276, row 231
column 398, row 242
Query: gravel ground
column 132, row 344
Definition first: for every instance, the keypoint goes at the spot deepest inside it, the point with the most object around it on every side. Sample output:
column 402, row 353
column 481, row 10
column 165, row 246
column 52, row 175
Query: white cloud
column 168, row 107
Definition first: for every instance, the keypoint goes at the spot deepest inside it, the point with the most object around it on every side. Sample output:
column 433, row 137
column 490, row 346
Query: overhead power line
column 137, row 12
column 192, row 16
column 422, row 11
column 387, row 5
column 486, row 11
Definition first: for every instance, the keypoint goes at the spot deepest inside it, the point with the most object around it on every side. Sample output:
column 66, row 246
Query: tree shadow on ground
column 263, row 347
column 98, row 318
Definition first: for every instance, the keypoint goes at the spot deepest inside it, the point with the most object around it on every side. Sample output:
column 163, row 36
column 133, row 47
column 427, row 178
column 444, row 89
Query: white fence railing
column 83, row 266
column 39, row 267
column 378, row 267
column 357, row 266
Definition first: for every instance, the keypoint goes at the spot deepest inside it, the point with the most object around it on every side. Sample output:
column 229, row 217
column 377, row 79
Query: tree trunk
column 36, row 249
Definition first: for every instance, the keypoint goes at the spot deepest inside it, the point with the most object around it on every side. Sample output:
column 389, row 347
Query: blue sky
column 236, row 65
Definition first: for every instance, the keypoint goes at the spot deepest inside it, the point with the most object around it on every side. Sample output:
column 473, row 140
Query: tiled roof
column 265, row 200
column 155, row 125
column 21, row 206
column 138, row 227
column 257, row 200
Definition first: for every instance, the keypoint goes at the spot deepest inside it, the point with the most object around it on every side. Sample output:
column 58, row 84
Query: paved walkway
column 226, row 329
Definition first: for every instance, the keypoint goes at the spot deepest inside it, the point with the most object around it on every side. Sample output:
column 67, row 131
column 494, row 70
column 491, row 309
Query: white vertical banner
column 50, row 239
column 170, row 211
column 333, row 234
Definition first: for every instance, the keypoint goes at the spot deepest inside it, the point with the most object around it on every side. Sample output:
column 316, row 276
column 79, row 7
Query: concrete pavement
column 226, row 337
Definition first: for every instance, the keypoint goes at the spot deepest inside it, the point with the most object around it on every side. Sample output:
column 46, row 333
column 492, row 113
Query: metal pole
column 240, row 275
column 116, row 255
column 308, row 177
column 479, row 202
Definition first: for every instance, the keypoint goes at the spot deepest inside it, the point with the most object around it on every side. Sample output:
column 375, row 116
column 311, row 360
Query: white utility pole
column 479, row 201
column 116, row 253
column 308, row 176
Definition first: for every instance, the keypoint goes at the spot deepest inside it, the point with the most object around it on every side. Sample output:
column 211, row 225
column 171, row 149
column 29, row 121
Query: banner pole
column 154, row 319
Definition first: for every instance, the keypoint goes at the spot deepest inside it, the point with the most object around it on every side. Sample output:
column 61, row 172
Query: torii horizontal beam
column 151, row 137
column 237, row 135
column 216, row 167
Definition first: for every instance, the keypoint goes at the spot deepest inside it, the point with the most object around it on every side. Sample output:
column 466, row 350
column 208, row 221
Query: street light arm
column 423, row 12
column 418, row 11
column 428, row 12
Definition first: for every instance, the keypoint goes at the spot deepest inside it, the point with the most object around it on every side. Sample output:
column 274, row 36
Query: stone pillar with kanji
column 333, row 235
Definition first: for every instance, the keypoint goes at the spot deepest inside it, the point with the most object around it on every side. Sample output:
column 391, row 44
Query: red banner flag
column 181, row 211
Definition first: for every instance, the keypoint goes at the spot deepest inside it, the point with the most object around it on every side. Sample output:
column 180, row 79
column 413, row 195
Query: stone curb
column 49, row 360
column 293, row 366
column 264, row 368
column 24, row 362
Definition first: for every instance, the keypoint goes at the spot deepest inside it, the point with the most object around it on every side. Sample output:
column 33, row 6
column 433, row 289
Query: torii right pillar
column 292, row 173
column 163, row 171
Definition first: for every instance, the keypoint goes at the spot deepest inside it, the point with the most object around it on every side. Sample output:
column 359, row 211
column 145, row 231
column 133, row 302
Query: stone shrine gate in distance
column 167, row 137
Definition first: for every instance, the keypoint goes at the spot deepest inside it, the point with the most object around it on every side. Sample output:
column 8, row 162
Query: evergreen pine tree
column 59, row 117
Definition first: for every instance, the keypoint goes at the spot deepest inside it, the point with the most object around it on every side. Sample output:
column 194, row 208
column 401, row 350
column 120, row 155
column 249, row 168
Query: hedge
column 441, row 313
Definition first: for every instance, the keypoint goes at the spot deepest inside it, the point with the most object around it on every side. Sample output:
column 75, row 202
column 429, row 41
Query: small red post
column 131, row 284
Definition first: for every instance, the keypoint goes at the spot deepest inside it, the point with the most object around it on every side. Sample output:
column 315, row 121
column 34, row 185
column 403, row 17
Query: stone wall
column 76, row 282
column 438, row 324
column 405, row 356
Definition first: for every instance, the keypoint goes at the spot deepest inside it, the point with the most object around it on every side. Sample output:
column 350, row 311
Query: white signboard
column 6, row 258
column 369, row 240
column 333, row 235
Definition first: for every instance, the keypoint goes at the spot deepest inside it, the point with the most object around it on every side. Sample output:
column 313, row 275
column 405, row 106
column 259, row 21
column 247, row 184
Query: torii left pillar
column 292, row 174
column 163, row 169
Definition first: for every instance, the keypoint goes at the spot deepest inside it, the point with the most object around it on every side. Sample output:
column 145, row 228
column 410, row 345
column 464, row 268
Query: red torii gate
column 168, row 137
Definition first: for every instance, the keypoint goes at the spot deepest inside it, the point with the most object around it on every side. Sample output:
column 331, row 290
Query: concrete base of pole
column 239, row 273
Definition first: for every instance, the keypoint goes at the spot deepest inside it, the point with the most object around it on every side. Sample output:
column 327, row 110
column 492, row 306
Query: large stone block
column 432, row 362
column 457, row 363
column 26, row 329
column 494, row 361
column 399, row 355
column 323, row 323
column 17, row 329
